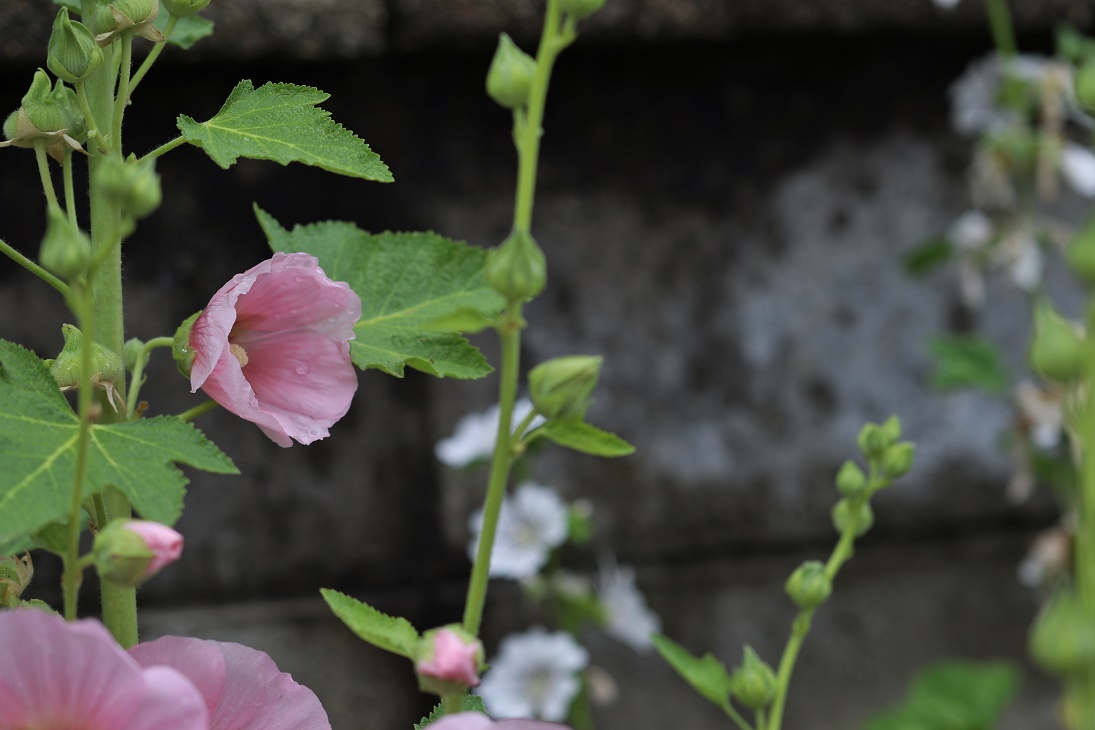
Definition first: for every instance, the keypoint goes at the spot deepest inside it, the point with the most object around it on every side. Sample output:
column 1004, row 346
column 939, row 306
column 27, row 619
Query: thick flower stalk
column 273, row 347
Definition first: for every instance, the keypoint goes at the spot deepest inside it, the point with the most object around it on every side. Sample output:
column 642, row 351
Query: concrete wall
column 725, row 196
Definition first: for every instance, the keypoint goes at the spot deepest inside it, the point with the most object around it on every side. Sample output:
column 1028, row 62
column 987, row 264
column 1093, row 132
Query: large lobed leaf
column 281, row 122
column 38, row 437
column 408, row 282
column 390, row 633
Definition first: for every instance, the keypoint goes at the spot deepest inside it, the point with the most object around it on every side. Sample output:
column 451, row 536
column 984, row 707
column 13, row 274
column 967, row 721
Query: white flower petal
column 534, row 675
column 473, row 439
column 532, row 522
column 1078, row 168
column 629, row 619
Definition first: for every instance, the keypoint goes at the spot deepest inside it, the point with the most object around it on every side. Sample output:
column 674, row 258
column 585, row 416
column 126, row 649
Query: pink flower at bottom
column 242, row 687
column 73, row 676
column 477, row 721
column 273, row 347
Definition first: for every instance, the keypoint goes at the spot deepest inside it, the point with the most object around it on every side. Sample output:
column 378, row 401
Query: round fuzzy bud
column 1081, row 252
column 809, row 586
column 449, row 659
column 1058, row 352
column 850, row 480
column 129, row 552
column 516, row 269
column 754, row 682
column 510, row 76
column 560, row 389
column 180, row 346
column 138, row 11
column 106, row 367
column 184, row 8
column 852, row 515
column 1062, row 640
column 581, row 8
column 65, row 250
column 1085, row 84
column 73, row 53
column 898, row 459
column 133, row 185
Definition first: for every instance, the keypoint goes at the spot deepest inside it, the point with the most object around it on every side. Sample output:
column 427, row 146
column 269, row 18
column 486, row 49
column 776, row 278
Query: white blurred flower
column 532, row 522
column 1049, row 558
column 475, row 433
column 534, row 675
column 1078, row 168
column 1021, row 255
column 946, row 4
column 976, row 106
column 971, row 231
column 1042, row 412
column 628, row 618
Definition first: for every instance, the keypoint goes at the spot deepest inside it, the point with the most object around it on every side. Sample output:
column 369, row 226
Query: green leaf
column 38, row 436
column 928, row 256
column 469, row 321
column 707, row 676
column 188, row 30
column 407, row 282
column 953, row 696
column 472, row 703
column 281, row 122
column 967, row 361
column 389, row 633
column 586, row 438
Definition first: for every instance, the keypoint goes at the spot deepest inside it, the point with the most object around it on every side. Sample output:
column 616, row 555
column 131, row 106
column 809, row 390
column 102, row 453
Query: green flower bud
column 180, row 346
column 510, row 76
column 1058, row 352
column 106, row 366
column 516, row 269
column 848, row 514
column 132, row 184
column 65, row 250
column 754, row 682
column 560, row 389
column 73, row 53
column 850, row 480
column 41, row 108
column 184, row 8
column 581, row 8
column 1081, row 251
column 873, row 441
column 1062, row 640
column 130, row 352
column 1085, row 85
column 97, row 17
column 134, row 17
column 898, row 459
column 129, row 552
column 809, row 586
column 137, row 11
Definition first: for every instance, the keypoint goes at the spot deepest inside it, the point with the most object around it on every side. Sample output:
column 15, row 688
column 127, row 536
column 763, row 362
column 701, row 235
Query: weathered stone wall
column 723, row 219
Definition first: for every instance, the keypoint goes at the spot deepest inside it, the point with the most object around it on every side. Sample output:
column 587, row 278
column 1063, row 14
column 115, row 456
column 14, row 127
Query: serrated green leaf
column 586, row 438
column 406, row 281
column 928, row 256
column 281, row 122
column 389, row 633
column 708, row 675
column 38, row 436
column 967, row 361
column 953, row 696
column 472, row 703
column 188, row 30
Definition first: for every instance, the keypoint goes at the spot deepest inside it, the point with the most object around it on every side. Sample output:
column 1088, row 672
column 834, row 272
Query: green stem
column 70, row 194
column 123, row 91
column 89, row 118
column 34, row 268
column 164, row 148
column 736, row 717
column 198, row 410
column 47, row 179
column 1084, row 686
column 138, row 371
column 1003, row 34
column 152, row 55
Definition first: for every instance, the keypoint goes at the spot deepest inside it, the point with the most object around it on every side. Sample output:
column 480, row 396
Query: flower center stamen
column 239, row 353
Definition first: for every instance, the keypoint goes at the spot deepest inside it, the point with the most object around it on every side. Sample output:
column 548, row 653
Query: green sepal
column 584, row 437
column 472, row 703
column 707, row 675
column 389, row 633
column 181, row 350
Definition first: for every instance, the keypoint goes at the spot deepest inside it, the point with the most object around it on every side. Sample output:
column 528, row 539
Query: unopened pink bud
column 449, row 656
column 165, row 543
column 132, row 551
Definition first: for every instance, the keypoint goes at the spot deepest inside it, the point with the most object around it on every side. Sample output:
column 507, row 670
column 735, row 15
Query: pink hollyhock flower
column 242, row 687
column 476, row 721
column 273, row 347
column 74, row 676
column 451, row 658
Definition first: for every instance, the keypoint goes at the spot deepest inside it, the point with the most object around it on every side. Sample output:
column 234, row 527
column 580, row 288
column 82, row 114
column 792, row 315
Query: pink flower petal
column 254, row 694
column 453, row 660
column 165, row 543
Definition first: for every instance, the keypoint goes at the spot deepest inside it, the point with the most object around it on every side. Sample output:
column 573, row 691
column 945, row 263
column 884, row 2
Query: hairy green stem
column 138, row 371
column 152, row 55
column 70, row 193
column 1003, row 34
column 34, row 268
column 164, row 148
column 198, row 410
column 89, row 118
column 123, row 91
column 47, row 179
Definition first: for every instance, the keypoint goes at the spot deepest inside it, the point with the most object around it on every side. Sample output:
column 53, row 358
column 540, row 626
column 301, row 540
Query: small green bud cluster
column 66, row 250
column 1059, row 351
column 133, row 185
column 49, row 115
column 509, row 79
column 516, row 269
column 753, row 683
column 561, row 389
column 74, row 55
column 888, row 459
column 809, row 586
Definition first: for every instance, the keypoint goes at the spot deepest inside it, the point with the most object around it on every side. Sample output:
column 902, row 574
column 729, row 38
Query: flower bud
column 132, row 184
column 1085, row 85
column 448, row 659
column 131, row 351
column 516, row 269
column 849, row 514
column 134, row 17
column 809, row 586
column 73, row 53
column 15, row 576
column 180, row 345
column 1062, row 640
column 184, row 8
column 560, row 389
column 1081, row 251
column 1058, row 352
column 40, row 106
column 106, row 366
column 898, row 459
column 581, row 8
column 850, row 480
column 129, row 552
column 873, row 440
column 754, row 682
column 65, row 249
column 137, row 11
column 509, row 79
